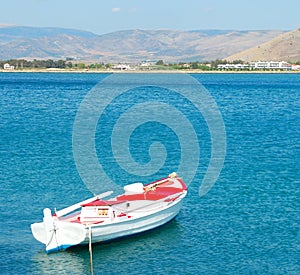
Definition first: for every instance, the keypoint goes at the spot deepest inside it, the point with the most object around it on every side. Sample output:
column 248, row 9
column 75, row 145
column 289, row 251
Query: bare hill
column 284, row 47
column 127, row 46
column 171, row 45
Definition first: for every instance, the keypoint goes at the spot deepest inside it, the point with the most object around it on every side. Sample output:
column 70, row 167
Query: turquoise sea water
column 247, row 224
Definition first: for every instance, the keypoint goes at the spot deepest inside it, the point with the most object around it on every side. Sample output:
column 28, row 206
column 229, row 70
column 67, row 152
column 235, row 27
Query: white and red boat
column 139, row 209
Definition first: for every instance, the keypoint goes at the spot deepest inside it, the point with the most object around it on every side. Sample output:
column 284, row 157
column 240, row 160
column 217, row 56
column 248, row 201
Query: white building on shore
column 8, row 67
column 121, row 67
column 258, row 65
column 271, row 65
column 296, row 67
column 233, row 66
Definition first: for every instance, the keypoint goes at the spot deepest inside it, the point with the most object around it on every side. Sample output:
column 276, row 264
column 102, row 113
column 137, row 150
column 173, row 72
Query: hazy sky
column 103, row 16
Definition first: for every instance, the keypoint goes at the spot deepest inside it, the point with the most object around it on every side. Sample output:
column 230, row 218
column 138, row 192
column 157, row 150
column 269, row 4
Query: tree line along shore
column 73, row 66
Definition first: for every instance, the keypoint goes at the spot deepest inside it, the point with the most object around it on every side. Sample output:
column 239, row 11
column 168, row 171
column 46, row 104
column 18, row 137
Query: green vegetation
column 69, row 64
column 191, row 66
column 160, row 63
column 22, row 63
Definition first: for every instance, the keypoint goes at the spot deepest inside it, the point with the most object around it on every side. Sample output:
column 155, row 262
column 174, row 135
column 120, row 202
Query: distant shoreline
column 147, row 71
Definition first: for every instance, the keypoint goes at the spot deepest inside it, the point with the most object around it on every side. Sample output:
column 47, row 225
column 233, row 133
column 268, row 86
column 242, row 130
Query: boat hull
column 140, row 208
column 133, row 226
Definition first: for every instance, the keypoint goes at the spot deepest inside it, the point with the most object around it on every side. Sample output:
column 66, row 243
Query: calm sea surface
column 247, row 224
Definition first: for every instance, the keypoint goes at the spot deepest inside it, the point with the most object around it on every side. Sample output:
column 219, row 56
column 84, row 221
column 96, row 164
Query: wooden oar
column 154, row 184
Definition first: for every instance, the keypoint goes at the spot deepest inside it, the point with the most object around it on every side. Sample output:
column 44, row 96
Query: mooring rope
column 52, row 235
column 90, row 249
column 50, row 240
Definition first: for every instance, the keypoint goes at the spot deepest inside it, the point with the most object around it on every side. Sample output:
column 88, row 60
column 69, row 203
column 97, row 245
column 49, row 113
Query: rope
column 53, row 233
column 90, row 249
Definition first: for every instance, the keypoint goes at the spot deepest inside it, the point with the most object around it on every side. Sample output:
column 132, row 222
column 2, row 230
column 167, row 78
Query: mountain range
column 18, row 42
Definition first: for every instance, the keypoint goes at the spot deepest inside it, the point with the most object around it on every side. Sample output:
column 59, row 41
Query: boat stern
column 57, row 235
